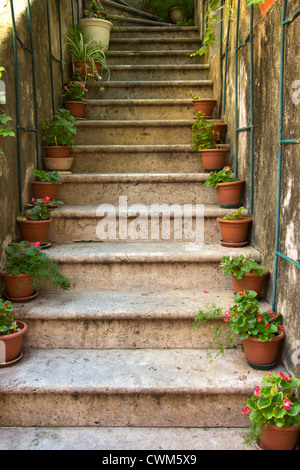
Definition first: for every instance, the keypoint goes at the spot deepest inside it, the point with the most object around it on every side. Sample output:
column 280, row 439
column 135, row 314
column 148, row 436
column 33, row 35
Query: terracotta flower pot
column 265, row 7
column 18, row 285
column 262, row 355
column 250, row 281
column 219, row 131
column 230, row 194
column 275, row 438
column 35, row 230
column 213, row 159
column 11, row 345
column 42, row 189
column 57, row 151
column 76, row 108
column 234, row 231
column 58, row 164
column 86, row 69
column 205, row 106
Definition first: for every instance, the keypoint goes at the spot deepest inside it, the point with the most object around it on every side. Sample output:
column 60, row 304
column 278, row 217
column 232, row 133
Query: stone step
column 159, row 72
column 117, row 132
column 139, row 188
column 139, row 264
column 122, row 319
column 112, row 387
column 80, row 223
column 125, row 438
column 154, row 44
column 115, row 8
column 152, row 57
column 133, row 158
column 144, row 89
column 122, row 20
column 155, row 31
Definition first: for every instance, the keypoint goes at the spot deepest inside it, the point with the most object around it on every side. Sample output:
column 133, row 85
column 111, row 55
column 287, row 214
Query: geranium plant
column 60, row 129
column 222, row 176
column 46, row 176
column 274, row 403
column 246, row 319
column 7, row 323
column 203, row 132
column 74, row 91
column 41, row 208
column 96, row 10
column 235, row 216
column 25, row 257
column 240, row 265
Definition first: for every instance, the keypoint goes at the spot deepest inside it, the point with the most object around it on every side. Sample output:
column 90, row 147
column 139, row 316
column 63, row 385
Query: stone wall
column 9, row 179
column 266, row 78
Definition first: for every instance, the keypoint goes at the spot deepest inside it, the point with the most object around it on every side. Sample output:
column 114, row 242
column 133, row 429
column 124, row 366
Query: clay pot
column 234, row 231
column 57, row 151
column 18, row 285
column 219, row 131
column 262, row 355
column 275, row 438
column 265, row 7
column 205, row 106
column 76, row 108
column 86, row 69
column 230, row 194
column 58, row 164
column 35, row 230
column 213, row 159
column 42, row 189
column 11, row 345
column 250, row 281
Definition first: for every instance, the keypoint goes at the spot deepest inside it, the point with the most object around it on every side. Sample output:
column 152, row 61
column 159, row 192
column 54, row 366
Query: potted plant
column 27, row 269
column 162, row 8
column 46, row 184
column 73, row 95
column 88, row 60
column 246, row 273
column 274, row 413
column 229, row 189
column 11, row 335
column 261, row 333
column 203, row 105
column 234, row 229
column 35, row 226
column 95, row 25
column 58, row 136
column 204, row 141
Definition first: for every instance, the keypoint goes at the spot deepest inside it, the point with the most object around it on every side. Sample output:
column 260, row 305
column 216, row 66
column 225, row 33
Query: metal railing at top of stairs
column 17, row 41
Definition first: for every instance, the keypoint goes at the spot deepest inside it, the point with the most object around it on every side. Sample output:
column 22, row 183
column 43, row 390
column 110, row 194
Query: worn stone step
column 112, row 387
column 139, row 188
column 135, row 158
column 152, row 57
column 115, row 8
column 144, row 89
column 124, row 20
column 155, row 31
column 122, row 319
column 150, row 44
column 125, row 438
column 80, row 223
column 159, row 72
column 139, row 264
column 117, row 132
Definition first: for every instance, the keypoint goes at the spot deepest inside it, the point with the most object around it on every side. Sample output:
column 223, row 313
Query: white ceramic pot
column 176, row 14
column 97, row 30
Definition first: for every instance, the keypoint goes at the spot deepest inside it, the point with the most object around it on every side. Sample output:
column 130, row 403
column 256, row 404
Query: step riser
column 132, row 74
column 132, row 162
column 140, row 58
column 153, row 45
column 140, row 111
column 142, row 90
column 114, row 134
column 158, row 32
column 137, row 193
column 104, row 409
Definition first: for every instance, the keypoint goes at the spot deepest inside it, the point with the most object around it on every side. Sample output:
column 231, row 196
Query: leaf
column 263, row 402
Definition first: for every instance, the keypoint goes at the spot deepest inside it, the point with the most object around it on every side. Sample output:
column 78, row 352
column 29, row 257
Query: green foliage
column 222, row 176
column 96, row 10
column 246, row 319
column 239, row 265
column 274, row 403
column 7, row 323
column 41, row 208
column 235, row 216
column 203, row 132
column 46, row 176
column 25, row 257
column 60, row 129
column 74, row 91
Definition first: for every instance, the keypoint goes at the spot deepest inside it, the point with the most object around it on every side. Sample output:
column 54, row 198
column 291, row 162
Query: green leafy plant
column 25, row 257
column 240, row 265
column 246, row 319
column 60, row 129
column 222, row 176
column 41, row 209
column 7, row 323
column 74, row 91
column 274, row 403
column 203, row 132
column 46, row 176
column 5, row 130
column 96, row 10
column 235, row 216
column 161, row 8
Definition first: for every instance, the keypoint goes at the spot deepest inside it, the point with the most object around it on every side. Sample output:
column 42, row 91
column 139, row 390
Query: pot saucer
column 233, row 244
column 23, row 299
column 10, row 363
column 45, row 245
column 262, row 366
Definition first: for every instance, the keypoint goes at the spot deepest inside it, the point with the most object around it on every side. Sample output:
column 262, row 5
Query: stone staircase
column 115, row 363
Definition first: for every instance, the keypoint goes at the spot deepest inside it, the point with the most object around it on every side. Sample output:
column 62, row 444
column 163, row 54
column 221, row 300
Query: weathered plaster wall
column 266, row 74
column 9, row 187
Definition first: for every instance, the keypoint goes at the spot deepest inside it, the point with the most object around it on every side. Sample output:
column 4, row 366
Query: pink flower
column 227, row 168
column 33, row 199
column 228, row 313
column 285, row 377
column 256, row 391
column 46, row 199
column 281, row 327
column 268, row 324
column 206, row 292
column 241, row 293
column 245, row 410
column 286, row 403
column 259, row 319
column 226, row 319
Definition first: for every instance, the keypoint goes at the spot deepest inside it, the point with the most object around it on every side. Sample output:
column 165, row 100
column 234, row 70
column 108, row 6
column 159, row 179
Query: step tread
column 113, row 371
column 141, row 21
column 125, row 305
column 154, row 29
column 135, row 177
column 130, row 9
column 152, row 83
column 136, row 148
